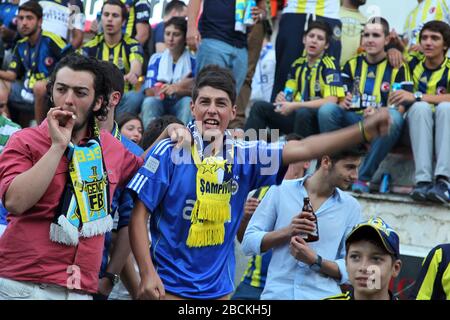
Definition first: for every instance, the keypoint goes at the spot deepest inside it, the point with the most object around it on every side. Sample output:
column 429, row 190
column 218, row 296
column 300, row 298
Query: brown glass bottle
column 313, row 236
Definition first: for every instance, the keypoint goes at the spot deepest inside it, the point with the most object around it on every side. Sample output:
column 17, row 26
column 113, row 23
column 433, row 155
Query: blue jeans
column 332, row 117
column 212, row 51
column 131, row 102
column 153, row 107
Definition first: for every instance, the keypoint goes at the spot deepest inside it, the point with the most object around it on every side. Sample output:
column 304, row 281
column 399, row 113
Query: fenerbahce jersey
column 375, row 79
column 168, row 191
column 434, row 82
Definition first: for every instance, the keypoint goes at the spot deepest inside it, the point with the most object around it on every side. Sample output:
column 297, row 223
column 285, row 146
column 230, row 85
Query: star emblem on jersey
column 212, row 166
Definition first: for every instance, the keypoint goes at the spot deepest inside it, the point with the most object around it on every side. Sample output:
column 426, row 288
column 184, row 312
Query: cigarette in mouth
column 74, row 117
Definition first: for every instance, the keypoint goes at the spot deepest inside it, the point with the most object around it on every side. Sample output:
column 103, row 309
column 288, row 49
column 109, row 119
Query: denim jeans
column 131, row 102
column 212, row 51
column 153, row 107
column 332, row 117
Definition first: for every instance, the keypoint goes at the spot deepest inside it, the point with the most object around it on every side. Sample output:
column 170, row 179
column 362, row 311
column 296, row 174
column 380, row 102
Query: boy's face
column 112, row 19
column 344, row 172
column 315, row 42
column 432, row 44
column 213, row 108
column 174, row 38
column 373, row 39
column 370, row 268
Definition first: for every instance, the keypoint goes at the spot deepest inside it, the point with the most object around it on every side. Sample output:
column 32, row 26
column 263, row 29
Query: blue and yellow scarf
column 84, row 209
column 214, row 184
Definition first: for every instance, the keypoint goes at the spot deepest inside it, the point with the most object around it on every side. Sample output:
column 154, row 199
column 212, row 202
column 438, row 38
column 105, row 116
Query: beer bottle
column 312, row 236
column 356, row 95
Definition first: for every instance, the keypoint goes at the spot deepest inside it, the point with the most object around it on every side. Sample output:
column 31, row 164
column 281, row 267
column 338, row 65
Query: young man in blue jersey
column 195, row 195
column 375, row 76
column 372, row 260
column 314, row 81
column 34, row 58
column 429, row 115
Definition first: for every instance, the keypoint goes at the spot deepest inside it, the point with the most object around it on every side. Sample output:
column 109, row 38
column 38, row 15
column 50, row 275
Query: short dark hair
column 119, row 3
column 32, row 6
column 438, row 26
column 370, row 235
column 174, row 4
column 380, row 20
column 354, row 152
column 178, row 22
column 321, row 25
column 216, row 77
column 102, row 84
column 113, row 73
column 156, row 127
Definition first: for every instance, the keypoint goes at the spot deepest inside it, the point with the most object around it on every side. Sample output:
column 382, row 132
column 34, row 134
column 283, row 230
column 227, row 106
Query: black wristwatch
column 418, row 96
column 316, row 266
column 114, row 278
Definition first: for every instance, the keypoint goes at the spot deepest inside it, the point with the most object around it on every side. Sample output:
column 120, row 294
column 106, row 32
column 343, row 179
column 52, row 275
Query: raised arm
column 327, row 143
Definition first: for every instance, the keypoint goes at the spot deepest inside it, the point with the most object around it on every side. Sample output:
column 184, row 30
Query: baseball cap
column 388, row 236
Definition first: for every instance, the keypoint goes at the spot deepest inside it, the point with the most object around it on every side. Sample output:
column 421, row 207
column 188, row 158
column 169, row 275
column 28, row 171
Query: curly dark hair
column 102, row 83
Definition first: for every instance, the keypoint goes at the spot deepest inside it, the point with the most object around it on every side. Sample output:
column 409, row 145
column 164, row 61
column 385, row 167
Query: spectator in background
column 352, row 27
column 375, row 76
column 220, row 38
column 174, row 8
column 255, row 39
column 33, row 60
column 136, row 24
column 315, row 80
column 433, row 280
column 429, row 113
column 8, row 29
column 425, row 11
column 65, row 18
column 262, row 82
column 126, row 53
column 169, row 78
column 131, row 126
column 296, row 17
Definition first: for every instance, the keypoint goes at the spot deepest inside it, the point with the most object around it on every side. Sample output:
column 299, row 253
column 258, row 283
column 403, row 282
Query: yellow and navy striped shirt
column 433, row 281
column 350, row 295
column 121, row 54
column 256, row 273
column 375, row 79
column 138, row 12
column 426, row 11
column 433, row 82
column 323, row 8
column 319, row 81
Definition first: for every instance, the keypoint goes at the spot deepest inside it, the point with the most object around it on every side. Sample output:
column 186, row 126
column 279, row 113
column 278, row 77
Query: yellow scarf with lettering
column 212, row 209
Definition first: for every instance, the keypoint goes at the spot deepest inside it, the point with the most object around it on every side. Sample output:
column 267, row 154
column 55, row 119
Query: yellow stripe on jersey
column 130, row 23
column 56, row 39
column 341, row 296
column 256, row 277
column 320, row 8
column 446, row 283
column 426, row 289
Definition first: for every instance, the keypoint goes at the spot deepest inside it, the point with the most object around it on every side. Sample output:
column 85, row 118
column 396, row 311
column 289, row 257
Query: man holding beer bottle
column 300, row 269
